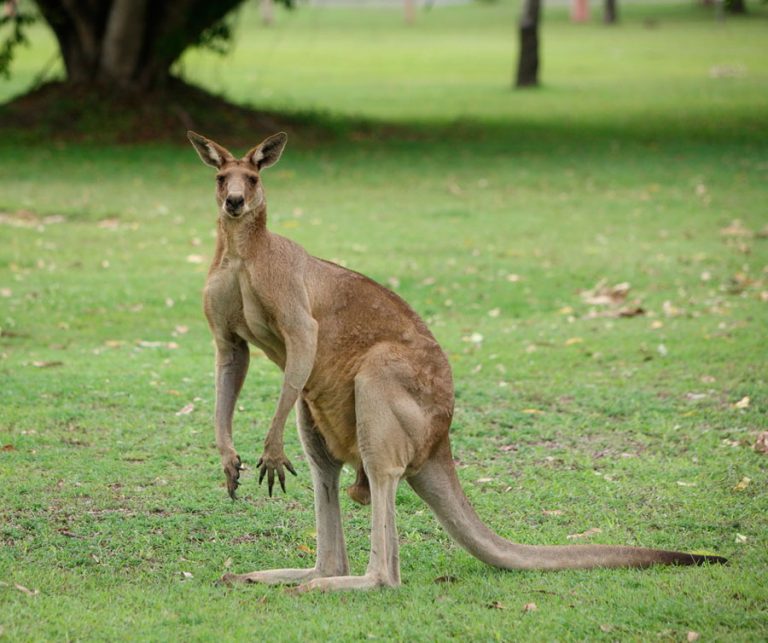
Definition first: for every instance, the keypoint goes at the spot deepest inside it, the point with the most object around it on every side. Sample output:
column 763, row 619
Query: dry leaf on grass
column 743, row 403
column 496, row 605
column 585, row 534
column 446, row 579
column 761, row 444
column 552, row 512
column 743, row 484
column 736, row 229
column 186, row 410
column 7, row 447
column 27, row 591
column 47, row 364
column 603, row 295
column 692, row 636
column 530, row 607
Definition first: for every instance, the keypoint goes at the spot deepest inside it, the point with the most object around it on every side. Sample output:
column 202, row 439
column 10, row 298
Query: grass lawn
column 643, row 159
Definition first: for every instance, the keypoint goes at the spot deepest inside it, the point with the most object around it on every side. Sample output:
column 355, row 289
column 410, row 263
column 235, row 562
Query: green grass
column 626, row 166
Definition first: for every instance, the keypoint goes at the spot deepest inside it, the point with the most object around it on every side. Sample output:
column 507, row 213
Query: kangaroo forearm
column 231, row 368
column 299, row 362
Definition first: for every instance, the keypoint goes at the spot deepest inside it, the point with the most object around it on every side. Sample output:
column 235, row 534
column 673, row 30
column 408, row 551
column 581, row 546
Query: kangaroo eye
column 252, row 180
column 220, row 180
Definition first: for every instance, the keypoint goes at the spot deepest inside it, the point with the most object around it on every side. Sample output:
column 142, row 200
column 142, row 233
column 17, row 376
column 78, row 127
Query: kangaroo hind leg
column 387, row 420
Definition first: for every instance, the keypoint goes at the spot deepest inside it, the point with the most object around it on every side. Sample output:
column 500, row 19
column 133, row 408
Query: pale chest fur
column 233, row 308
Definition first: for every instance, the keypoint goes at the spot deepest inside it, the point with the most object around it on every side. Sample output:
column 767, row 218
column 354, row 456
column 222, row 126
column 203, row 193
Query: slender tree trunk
column 610, row 12
column 528, row 62
column 267, row 12
column 409, row 11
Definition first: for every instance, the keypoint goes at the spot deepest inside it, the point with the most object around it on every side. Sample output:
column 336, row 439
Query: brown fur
column 371, row 386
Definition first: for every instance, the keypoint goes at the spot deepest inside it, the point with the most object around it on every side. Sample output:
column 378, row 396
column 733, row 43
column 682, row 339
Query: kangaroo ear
column 268, row 151
column 210, row 153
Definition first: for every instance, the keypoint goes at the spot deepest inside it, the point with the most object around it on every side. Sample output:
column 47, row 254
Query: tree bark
column 528, row 61
column 610, row 12
column 127, row 44
column 736, row 6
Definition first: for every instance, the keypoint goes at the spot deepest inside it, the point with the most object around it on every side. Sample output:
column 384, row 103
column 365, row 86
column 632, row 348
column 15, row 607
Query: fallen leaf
column 27, row 591
column 605, row 627
column 692, row 636
column 306, row 549
column 530, row 607
column 47, row 364
column 603, row 295
column 670, row 310
column 446, row 579
column 743, row 403
column 494, row 312
column 186, row 410
column 585, row 534
column 630, row 311
column 761, row 444
column 741, row 539
column 532, row 411
column 743, row 484
column 187, row 574
column 195, row 258
column 552, row 512
column 228, row 563
column 496, row 605
column 573, row 340
column 508, row 447
column 736, row 229
column 681, row 483
column 7, row 447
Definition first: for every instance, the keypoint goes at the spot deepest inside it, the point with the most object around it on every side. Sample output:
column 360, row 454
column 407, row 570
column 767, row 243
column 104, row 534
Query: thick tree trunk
column 735, row 6
column 610, row 12
column 528, row 62
column 127, row 44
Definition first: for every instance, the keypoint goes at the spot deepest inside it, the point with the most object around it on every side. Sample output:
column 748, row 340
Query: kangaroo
column 371, row 387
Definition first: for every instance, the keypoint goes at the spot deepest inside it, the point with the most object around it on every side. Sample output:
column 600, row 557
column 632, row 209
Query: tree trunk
column 127, row 44
column 610, row 12
column 528, row 62
column 409, row 11
column 267, row 12
column 736, row 6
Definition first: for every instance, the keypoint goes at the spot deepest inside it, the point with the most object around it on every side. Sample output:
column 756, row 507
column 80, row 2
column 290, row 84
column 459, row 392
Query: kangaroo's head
column 238, row 184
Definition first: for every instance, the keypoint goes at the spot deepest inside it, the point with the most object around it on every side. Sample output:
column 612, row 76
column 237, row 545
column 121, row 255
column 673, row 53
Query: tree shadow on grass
column 64, row 113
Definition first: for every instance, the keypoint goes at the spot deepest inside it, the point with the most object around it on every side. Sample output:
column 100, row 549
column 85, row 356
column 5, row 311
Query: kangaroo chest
column 233, row 307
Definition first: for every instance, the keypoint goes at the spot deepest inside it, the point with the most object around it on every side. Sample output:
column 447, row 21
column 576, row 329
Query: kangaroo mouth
column 234, row 213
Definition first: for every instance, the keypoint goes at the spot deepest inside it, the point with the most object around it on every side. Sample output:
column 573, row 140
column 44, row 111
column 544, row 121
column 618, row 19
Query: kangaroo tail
column 437, row 484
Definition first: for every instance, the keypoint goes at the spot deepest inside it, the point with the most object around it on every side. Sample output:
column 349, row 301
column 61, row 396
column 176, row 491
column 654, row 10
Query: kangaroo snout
column 234, row 204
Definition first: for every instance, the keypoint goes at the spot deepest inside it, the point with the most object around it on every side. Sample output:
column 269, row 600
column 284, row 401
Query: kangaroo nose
column 235, row 202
